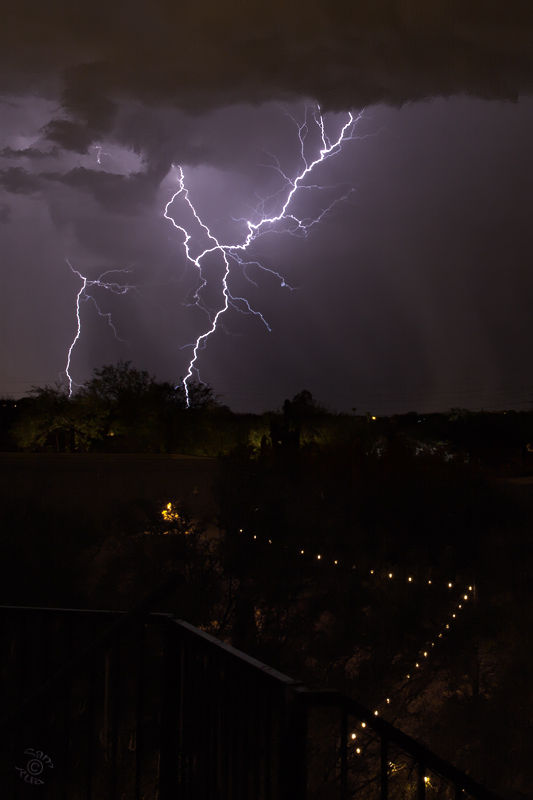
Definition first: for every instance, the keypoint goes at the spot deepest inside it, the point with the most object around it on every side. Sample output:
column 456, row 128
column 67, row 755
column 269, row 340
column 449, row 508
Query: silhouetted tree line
column 120, row 409
column 123, row 409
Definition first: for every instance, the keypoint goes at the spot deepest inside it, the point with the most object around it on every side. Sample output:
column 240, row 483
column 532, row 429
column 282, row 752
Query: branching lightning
column 260, row 223
column 84, row 296
column 276, row 213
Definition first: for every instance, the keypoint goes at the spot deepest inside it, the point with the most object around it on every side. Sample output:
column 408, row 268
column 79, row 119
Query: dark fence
column 103, row 706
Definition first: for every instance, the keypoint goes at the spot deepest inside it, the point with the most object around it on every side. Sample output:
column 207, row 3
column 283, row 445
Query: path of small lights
column 260, row 223
column 466, row 593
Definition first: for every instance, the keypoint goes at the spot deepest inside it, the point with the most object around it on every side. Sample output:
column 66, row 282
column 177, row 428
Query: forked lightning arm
column 259, row 224
column 83, row 296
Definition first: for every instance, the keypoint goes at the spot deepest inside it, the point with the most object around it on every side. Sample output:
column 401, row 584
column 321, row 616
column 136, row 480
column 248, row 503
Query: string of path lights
column 465, row 594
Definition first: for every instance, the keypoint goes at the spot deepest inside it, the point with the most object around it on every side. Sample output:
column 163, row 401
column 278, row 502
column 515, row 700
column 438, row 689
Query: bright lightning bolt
column 84, row 296
column 258, row 225
column 101, row 282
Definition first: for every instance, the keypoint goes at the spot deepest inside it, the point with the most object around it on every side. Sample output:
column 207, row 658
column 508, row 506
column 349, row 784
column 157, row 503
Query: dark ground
column 91, row 482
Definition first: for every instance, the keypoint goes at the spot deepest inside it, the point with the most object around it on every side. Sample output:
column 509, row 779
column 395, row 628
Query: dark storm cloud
column 17, row 181
column 208, row 54
column 28, row 152
column 123, row 194
column 69, row 135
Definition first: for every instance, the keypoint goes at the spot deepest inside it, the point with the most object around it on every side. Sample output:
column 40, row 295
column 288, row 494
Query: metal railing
column 369, row 758
column 155, row 709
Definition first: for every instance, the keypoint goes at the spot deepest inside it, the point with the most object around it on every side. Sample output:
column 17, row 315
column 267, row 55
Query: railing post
column 115, row 717
column 296, row 751
column 139, row 721
column 384, row 768
column 169, row 752
column 91, row 703
column 421, row 781
column 344, row 754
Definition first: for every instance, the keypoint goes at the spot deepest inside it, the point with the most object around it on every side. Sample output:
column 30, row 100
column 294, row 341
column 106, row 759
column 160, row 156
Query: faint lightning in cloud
column 100, row 153
column 286, row 220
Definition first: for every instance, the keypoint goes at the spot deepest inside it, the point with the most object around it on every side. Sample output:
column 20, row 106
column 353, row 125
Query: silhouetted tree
column 120, row 408
column 52, row 420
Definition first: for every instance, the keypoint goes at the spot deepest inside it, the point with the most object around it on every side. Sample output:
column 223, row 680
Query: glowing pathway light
column 259, row 224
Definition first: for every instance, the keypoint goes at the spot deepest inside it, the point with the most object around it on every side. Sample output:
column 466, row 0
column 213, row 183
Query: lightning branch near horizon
column 259, row 224
column 82, row 297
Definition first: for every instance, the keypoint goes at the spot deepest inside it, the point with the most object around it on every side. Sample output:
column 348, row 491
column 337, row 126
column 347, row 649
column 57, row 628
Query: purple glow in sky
column 413, row 293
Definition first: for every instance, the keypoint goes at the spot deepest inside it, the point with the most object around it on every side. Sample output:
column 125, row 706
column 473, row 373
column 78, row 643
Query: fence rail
column 98, row 705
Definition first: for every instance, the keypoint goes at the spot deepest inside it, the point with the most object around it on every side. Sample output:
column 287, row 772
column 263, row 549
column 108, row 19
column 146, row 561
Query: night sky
column 415, row 293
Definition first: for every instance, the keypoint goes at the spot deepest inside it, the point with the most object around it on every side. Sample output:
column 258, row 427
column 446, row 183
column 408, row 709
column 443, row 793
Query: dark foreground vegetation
column 384, row 558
